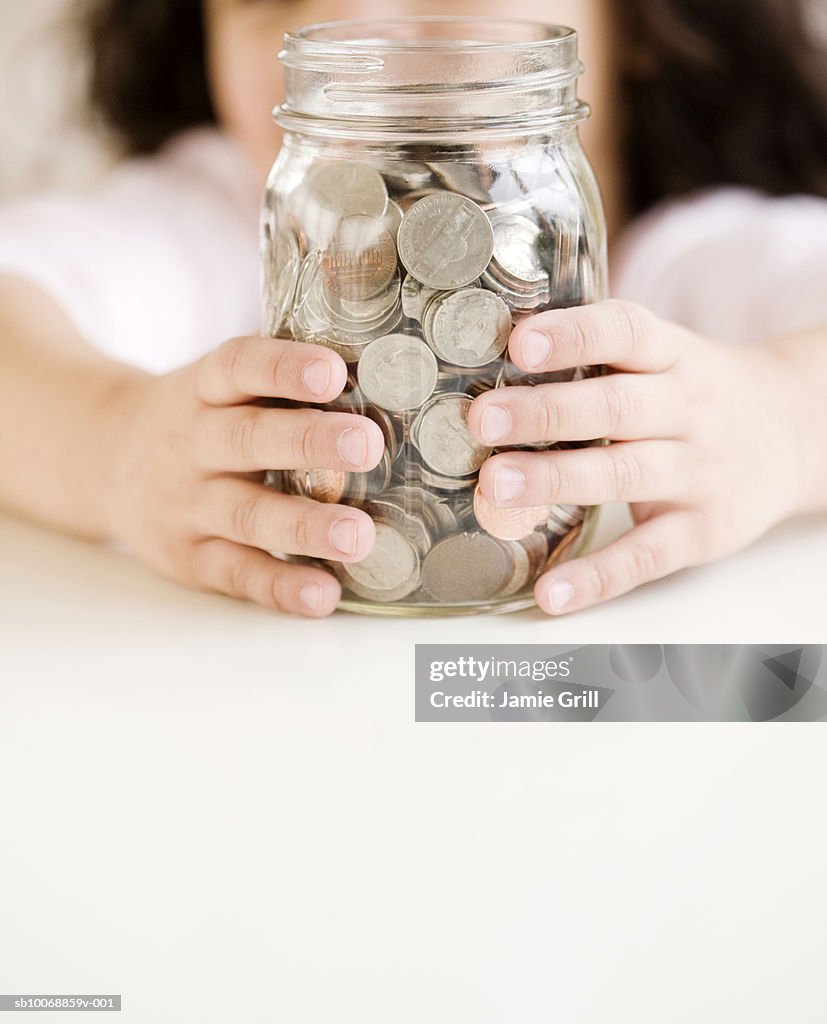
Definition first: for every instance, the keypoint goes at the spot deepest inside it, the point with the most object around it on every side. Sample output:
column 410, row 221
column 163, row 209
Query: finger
column 622, row 407
column 252, row 367
column 621, row 334
column 245, row 438
column 624, row 471
column 656, row 548
column 249, row 513
column 254, row 575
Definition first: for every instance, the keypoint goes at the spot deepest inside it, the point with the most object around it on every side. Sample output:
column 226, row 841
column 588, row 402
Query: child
column 126, row 415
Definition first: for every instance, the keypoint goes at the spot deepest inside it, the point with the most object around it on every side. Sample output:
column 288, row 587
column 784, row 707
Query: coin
column 522, row 568
column 345, row 188
column 508, row 523
column 282, row 263
column 327, row 485
column 517, row 255
column 440, row 433
column 411, row 526
column 390, row 572
column 561, row 550
column 360, row 259
column 397, row 372
column 356, row 314
column 445, row 240
column 466, row 568
column 469, row 327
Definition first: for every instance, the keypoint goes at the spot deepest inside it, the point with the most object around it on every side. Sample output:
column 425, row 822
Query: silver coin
column 445, row 240
column 342, row 188
column 517, row 252
column 411, row 526
column 355, row 314
column 466, row 568
column 470, row 327
column 522, row 568
column 282, row 263
column 519, row 302
column 440, row 482
column 393, row 218
column 440, row 433
column 390, row 572
column 397, row 372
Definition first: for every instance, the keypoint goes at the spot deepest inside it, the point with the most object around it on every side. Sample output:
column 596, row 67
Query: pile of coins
column 416, row 277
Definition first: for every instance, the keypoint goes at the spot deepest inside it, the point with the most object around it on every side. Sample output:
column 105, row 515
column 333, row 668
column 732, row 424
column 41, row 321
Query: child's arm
column 714, row 444
column 170, row 466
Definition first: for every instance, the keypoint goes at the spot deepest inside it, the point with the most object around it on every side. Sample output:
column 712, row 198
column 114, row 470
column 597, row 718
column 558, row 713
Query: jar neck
column 432, row 76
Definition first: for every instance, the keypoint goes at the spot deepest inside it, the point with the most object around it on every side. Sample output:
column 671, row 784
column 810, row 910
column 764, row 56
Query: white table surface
column 228, row 815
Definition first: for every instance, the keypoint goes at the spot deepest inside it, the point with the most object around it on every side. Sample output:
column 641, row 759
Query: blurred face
column 244, row 37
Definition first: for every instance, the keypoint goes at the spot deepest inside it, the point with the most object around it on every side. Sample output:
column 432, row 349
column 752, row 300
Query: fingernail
column 353, row 446
column 344, row 536
column 509, row 483
column 495, row 424
column 316, row 376
column 560, row 594
column 535, row 348
column 311, row 596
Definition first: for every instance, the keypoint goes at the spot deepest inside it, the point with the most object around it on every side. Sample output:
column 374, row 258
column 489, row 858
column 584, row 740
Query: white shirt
column 160, row 263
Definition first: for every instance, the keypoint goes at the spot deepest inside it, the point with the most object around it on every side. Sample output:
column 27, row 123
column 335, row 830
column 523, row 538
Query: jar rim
column 432, row 74
column 329, row 37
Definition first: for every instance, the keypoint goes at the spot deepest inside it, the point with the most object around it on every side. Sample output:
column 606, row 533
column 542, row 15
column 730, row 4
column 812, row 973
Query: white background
column 230, row 815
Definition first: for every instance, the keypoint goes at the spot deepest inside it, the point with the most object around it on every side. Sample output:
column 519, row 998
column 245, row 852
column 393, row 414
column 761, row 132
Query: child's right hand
column 189, row 498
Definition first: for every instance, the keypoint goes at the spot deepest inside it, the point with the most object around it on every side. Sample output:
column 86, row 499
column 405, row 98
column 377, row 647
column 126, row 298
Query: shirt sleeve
column 729, row 263
column 157, row 265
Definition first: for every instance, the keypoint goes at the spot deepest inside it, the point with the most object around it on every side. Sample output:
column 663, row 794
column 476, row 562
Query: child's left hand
column 705, row 443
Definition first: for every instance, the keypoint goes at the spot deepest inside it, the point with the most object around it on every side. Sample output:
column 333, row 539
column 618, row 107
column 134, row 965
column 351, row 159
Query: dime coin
column 470, row 327
column 390, row 572
column 445, row 240
column 397, row 372
column 466, row 567
column 508, row 523
column 360, row 259
column 440, row 433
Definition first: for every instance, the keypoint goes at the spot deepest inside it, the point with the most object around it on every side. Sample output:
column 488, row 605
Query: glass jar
column 430, row 192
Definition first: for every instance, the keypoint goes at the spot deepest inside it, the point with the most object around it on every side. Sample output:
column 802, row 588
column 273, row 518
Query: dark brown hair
column 148, row 76
column 722, row 92
column 717, row 91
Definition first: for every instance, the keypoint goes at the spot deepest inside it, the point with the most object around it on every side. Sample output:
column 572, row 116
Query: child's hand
column 706, row 452
column 189, row 498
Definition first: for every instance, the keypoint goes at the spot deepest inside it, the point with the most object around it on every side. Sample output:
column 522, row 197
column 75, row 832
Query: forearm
column 64, row 410
column 803, row 361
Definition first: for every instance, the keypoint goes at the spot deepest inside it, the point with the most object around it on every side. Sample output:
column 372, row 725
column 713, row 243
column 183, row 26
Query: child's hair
column 719, row 92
